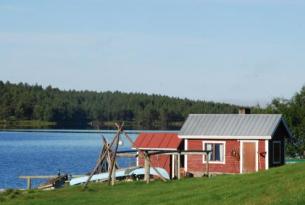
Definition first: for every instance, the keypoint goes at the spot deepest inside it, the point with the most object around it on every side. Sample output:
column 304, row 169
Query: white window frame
column 276, row 142
column 214, row 142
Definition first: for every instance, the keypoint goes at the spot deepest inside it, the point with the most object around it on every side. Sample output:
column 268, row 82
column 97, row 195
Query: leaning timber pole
column 111, row 177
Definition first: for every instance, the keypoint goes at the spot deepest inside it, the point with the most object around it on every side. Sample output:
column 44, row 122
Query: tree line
column 293, row 111
column 83, row 109
column 79, row 109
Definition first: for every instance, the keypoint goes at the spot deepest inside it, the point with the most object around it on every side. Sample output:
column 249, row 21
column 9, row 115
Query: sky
column 244, row 52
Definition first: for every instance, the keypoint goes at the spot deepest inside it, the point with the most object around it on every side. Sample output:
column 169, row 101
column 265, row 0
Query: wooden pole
column 126, row 135
column 176, row 165
column 207, row 164
column 113, row 157
column 107, row 149
column 156, row 170
column 128, row 138
column 113, row 175
column 146, row 167
column 102, row 158
column 29, row 183
column 112, row 162
column 95, row 168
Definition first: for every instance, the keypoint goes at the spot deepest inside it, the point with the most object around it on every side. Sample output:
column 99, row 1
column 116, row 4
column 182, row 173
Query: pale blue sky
column 236, row 51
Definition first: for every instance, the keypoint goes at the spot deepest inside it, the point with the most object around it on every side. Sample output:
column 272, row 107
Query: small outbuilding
column 238, row 143
column 156, row 141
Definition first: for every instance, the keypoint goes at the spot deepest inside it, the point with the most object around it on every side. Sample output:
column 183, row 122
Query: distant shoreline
column 46, row 125
column 81, row 131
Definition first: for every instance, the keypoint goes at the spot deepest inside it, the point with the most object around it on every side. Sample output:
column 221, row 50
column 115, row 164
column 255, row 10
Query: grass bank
column 284, row 185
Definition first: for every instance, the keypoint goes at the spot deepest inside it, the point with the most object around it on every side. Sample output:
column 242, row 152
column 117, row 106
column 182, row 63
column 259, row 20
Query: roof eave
column 285, row 125
column 154, row 149
column 223, row 137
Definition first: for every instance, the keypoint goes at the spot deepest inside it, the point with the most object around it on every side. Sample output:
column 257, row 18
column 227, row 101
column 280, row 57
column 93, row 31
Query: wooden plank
column 45, row 177
column 37, row 177
column 126, row 155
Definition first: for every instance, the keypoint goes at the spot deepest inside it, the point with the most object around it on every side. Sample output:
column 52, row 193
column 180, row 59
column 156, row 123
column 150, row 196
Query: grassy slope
column 284, row 185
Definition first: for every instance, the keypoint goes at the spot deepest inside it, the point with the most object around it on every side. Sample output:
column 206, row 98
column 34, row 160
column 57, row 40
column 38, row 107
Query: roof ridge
column 236, row 114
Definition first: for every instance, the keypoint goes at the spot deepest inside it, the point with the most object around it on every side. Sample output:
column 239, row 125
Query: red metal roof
column 157, row 141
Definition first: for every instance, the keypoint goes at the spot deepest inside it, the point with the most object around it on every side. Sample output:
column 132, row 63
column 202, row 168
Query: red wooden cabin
column 239, row 143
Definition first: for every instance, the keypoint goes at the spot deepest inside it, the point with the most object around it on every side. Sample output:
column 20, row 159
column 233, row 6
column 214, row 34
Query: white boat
column 119, row 174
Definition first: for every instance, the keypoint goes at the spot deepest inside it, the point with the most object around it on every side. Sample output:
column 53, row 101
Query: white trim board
column 185, row 156
column 267, row 154
column 241, row 154
column 224, row 137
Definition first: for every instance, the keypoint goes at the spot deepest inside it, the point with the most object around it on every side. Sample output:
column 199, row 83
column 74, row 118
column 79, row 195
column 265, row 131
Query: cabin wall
column 279, row 136
column 197, row 166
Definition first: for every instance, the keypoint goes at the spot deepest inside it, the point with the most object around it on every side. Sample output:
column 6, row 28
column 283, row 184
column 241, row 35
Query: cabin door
column 249, row 157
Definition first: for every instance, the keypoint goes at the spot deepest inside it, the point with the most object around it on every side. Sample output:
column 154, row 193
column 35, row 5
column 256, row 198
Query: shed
column 160, row 141
column 239, row 143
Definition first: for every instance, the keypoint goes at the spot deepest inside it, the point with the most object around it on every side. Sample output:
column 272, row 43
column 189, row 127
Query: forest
column 98, row 110
column 83, row 109
column 293, row 111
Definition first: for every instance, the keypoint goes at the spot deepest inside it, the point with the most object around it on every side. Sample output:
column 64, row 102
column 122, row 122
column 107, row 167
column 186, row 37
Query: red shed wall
column 196, row 165
column 261, row 155
column 163, row 161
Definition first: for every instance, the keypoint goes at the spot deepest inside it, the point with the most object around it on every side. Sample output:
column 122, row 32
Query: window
column 277, row 152
column 217, row 151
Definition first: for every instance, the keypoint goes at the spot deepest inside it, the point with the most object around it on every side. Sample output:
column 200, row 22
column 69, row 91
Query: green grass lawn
column 284, row 185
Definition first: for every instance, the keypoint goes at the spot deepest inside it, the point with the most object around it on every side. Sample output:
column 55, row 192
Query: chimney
column 244, row 111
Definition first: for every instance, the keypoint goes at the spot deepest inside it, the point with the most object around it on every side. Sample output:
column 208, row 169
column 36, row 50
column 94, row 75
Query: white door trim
column 267, row 154
column 241, row 154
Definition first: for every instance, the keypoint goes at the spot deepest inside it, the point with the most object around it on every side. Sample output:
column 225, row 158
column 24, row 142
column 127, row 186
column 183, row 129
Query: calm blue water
column 44, row 153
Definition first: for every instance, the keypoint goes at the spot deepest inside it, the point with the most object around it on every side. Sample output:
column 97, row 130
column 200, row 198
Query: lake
column 44, row 152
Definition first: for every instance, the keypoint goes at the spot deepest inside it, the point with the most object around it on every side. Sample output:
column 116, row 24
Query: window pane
column 217, row 151
column 209, row 148
column 277, row 152
column 221, row 152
